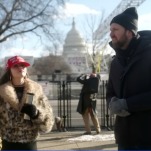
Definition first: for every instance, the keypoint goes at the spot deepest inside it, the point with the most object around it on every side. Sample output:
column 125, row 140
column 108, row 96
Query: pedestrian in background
column 129, row 85
column 87, row 101
column 24, row 109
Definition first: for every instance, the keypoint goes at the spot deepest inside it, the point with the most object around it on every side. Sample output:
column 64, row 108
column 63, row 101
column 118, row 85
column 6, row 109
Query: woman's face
column 18, row 70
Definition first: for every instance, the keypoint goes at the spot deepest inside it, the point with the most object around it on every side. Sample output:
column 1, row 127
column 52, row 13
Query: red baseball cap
column 16, row 60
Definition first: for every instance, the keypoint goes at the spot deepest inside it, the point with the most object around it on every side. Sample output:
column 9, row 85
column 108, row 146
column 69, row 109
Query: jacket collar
column 8, row 94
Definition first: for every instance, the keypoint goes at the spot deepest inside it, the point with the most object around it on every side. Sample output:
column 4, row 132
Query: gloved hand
column 82, row 76
column 30, row 110
column 119, row 107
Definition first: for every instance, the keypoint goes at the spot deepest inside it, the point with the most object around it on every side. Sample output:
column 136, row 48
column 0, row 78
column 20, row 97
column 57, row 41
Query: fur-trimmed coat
column 13, row 127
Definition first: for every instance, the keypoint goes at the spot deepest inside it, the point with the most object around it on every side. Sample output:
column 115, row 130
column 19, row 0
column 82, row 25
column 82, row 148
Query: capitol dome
column 73, row 37
column 75, row 50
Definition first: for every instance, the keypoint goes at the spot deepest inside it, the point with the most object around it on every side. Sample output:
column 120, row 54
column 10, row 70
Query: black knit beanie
column 128, row 19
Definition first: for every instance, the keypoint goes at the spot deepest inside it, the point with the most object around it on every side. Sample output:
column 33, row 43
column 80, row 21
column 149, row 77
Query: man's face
column 119, row 36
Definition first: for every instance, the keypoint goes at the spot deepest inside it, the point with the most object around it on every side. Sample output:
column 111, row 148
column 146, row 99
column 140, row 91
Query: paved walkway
column 74, row 140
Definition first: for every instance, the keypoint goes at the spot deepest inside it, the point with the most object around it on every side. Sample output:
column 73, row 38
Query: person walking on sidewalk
column 87, row 101
column 129, row 86
column 24, row 109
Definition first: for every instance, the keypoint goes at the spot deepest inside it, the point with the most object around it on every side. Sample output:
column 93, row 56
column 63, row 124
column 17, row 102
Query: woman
column 24, row 109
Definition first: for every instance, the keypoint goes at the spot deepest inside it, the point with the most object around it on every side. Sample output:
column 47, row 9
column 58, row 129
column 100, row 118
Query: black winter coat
column 86, row 98
column 130, row 78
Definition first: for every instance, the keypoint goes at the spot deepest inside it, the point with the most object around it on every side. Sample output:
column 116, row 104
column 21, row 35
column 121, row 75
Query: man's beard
column 118, row 45
column 121, row 43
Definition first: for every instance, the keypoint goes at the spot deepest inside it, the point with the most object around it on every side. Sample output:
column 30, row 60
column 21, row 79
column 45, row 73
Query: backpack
column 92, row 85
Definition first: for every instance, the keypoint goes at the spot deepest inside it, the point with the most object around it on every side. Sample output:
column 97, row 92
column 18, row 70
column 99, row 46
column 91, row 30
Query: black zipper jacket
column 130, row 78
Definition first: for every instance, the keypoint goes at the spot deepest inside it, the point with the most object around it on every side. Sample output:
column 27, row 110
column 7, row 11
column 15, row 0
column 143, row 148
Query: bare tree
column 48, row 64
column 18, row 17
column 52, row 49
column 97, row 51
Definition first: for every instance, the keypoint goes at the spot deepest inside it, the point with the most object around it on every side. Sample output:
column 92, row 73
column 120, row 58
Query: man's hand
column 119, row 107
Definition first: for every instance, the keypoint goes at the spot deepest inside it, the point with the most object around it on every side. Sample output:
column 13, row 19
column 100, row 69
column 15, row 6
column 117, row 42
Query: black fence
column 67, row 93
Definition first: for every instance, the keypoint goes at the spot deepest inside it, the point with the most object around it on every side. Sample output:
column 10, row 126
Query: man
column 129, row 85
column 87, row 101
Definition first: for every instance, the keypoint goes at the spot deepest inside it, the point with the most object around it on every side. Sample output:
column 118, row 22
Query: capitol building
column 75, row 51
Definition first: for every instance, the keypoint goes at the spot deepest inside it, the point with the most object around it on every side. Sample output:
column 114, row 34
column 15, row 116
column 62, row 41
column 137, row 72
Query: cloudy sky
column 80, row 10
